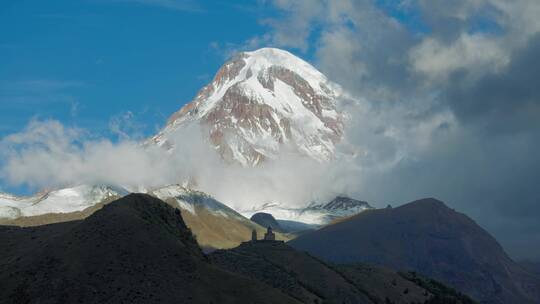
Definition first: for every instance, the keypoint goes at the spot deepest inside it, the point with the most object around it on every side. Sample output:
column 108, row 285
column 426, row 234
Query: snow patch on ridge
column 177, row 192
column 58, row 201
column 191, row 200
column 315, row 214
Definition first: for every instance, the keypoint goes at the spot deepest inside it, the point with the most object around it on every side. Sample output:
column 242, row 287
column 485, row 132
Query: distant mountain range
column 423, row 236
column 139, row 250
column 315, row 214
column 427, row 237
column 134, row 250
column 215, row 224
column 57, row 205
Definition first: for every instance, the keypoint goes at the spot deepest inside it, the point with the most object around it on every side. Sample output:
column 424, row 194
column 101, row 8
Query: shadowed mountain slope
column 134, row 250
column 55, row 206
column 214, row 224
column 266, row 220
column 311, row 280
column 432, row 239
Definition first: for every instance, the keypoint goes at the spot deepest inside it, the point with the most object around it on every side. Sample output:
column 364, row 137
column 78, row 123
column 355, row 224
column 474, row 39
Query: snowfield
column 58, row 201
column 318, row 214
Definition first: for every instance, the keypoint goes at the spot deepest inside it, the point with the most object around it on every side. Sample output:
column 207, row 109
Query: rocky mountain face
column 343, row 204
column 259, row 103
column 134, row 250
column 338, row 208
column 427, row 237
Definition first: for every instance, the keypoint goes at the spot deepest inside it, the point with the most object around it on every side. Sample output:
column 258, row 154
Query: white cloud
column 342, row 43
column 478, row 53
column 446, row 96
column 454, row 45
column 520, row 16
column 49, row 155
column 294, row 31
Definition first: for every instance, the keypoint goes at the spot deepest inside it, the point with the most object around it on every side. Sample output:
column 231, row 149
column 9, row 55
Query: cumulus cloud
column 296, row 28
column 476, row 52
column 448, row 104
column 48, row 154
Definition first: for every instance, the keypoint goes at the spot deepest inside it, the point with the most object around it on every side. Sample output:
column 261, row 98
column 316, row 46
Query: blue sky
column 85, row 62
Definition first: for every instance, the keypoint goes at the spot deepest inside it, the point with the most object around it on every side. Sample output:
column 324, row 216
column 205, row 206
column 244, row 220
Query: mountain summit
column 260, row 102
column 427, row 237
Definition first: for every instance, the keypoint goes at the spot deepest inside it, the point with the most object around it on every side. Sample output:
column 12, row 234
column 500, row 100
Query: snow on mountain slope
column 214, row 224
column 58, row 201
column 340, row 206
column 260, row 102
column 314, row 214
column 280, row 212
column 191, row 200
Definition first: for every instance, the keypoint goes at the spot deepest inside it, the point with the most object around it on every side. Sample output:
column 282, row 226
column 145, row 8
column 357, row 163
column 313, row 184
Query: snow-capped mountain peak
column 259, row 102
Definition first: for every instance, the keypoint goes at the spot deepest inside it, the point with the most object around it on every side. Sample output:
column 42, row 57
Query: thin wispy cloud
column 37, row 92
column 49, row 154
column 179, row 5
column 40, row 85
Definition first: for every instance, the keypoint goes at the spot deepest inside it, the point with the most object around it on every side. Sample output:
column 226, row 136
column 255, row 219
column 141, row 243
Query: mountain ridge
column 316, row 213
column 428, row 237
column 136, row 249
column 59, row 201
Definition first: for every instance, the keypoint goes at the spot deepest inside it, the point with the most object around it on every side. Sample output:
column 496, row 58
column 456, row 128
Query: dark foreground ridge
column 427, row 237
column 311, row 280
column 134, row 250
column 138, row 250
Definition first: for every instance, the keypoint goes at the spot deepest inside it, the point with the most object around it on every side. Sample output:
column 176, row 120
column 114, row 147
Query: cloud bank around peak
column 454, row 105
column 47, row 154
